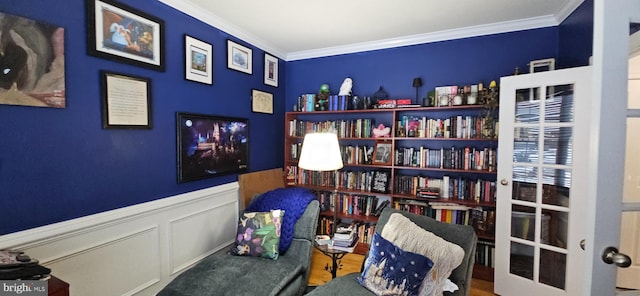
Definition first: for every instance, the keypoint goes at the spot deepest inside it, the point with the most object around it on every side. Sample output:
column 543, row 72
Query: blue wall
column 455, row 62
column 576, row 37
column 59, row 164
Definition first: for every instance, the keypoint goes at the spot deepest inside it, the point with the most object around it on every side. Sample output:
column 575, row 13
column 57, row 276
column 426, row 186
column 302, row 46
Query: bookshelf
column 446, row 148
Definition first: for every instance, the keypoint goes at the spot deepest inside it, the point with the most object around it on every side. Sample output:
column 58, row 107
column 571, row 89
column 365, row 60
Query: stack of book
column 345, row 238
column 428, row 192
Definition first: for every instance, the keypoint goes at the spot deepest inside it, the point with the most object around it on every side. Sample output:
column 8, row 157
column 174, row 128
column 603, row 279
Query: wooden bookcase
column 450, row 142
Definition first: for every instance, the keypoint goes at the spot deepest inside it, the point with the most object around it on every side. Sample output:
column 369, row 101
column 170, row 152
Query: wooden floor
column 352, row 263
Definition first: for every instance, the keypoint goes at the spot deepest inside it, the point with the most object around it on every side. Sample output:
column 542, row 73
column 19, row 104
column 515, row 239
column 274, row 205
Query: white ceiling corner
column 295, row 31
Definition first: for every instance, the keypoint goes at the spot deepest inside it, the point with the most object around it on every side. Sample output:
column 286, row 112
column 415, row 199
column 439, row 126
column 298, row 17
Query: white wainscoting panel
column 186, row 247
column 135, row 250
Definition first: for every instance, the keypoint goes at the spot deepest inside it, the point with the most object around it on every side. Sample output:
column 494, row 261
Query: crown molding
column 213, row 20
column 566, row 10
column 495, row 28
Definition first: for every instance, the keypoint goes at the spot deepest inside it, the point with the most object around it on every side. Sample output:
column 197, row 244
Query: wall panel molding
column 134, row 250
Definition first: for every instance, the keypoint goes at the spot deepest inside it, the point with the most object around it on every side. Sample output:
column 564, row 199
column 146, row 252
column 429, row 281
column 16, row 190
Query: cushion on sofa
column 292, row 200
column 410, row 245
column 391, row 270
column 258, row 234
column 221, row 274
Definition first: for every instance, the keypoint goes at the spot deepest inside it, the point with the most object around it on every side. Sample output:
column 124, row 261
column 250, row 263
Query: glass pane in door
column 555, row 190
column 554, row 228
column 523, row 221
column 527, row 105
column 521, row 260
column 525, row 144
column 558, row 105
column 558, row 145
column 552, row 268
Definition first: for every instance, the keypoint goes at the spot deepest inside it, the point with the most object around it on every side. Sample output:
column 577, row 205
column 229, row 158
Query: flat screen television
column 211, row 145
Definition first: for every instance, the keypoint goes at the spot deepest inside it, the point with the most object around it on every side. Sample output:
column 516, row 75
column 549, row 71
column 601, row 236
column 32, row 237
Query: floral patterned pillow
column 258, row 234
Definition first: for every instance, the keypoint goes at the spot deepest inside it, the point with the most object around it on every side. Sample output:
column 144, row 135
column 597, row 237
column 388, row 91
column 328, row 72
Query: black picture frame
column 261, row 101
column 270, row 70
column 118, row 32
column 210, row 145
column 126, row 101
column 381, row 179
column 198, row 60
column 239, row 57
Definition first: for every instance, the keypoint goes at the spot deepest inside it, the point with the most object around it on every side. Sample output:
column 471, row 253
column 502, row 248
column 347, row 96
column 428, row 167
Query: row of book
column 486, row 253
column 447, row 187
column 357, row 128
column 466, row 158
column 358, row 154
column 444, row 212
column 347, row 203
column 309, row 103
column 482, row 219
column 460, row 127
column 370, row 181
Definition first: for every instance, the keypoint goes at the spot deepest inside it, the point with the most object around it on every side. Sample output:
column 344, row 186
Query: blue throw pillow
column 390, row 270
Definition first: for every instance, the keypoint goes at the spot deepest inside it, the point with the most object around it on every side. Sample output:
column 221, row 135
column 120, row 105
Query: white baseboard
column 134, row 250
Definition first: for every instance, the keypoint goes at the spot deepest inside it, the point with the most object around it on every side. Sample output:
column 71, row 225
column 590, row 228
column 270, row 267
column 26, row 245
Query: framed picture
column 380, row 181
column 261, row 102
column 32, row 63
column 119, row 32
column 198, row 60
column 239, row 57
column 126, row 101
column 382, row 153
column 270, row 70
column 211, row 145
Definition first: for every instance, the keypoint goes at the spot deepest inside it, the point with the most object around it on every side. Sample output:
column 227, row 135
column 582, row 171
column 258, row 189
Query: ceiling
column 302, row 29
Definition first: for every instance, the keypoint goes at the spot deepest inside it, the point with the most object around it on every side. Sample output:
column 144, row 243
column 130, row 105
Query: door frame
column 608, row 125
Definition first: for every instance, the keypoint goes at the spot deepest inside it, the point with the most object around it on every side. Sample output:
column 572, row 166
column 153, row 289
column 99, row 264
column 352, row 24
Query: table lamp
column 417, row 83
column 321, row 152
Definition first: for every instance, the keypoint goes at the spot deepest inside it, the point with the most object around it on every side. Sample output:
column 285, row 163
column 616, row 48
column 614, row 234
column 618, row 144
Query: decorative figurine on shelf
column 381, row 131
column 322, row 98
column 490, row 99
column 380, row 95
column 346, row 87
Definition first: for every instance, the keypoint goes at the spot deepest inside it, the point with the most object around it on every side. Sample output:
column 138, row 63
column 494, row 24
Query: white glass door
column 629, row 278
column 542, row 170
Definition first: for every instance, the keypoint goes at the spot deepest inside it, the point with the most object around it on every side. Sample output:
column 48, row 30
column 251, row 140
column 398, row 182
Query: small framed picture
column 126, row 101
column 239, row 58
column 382, row 153
column 270, row 70
column 261, row 102
column 198, row 60
column 120, row 32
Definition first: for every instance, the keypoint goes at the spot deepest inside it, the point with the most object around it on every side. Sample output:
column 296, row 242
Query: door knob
column 612, row 256
column 504, row 182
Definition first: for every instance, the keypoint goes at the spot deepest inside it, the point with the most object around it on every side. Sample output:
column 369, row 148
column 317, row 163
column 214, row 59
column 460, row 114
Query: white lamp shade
column 320, row 152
